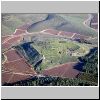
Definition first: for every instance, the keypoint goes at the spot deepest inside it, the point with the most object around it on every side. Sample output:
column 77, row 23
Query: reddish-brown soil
column 10, row 77
column 5, row 77
column 4, row 38
column 68, row 34
column 64, row 70
column 6, row 45
column 52, row 31
column 19, row 66
column 24, row 27
column 16, row 70
column 12, row 55
column 19, row 31
column 9, row 42
column 14, row 39
column 18, row 77
column 15, row 64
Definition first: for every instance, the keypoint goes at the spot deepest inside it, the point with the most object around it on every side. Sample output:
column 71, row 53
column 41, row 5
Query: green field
column 57, row 51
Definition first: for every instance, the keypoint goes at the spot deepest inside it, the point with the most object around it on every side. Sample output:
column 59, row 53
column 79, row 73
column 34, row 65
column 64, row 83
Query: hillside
column 49, row 49
column 12, row 21
column 39, row 22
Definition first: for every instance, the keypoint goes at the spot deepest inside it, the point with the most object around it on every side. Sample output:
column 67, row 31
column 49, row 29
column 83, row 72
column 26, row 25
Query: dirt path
column 73, row 35
column 88, row 19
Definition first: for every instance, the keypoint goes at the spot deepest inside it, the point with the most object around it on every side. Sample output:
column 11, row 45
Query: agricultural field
column 49, row 49
column 59, row 51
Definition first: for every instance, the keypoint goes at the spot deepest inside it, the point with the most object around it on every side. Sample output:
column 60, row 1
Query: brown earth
column 63, row 70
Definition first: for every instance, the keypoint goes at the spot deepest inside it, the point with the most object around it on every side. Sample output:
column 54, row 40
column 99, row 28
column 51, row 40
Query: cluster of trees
column 2, row 56
column 90, row 68
column 52, row 81
column 88, row 77
column 91, row 62
column 44, row 44
column 83, row 41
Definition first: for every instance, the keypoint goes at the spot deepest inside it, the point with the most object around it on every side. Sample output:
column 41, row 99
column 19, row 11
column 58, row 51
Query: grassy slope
column 76, row 20
column 5, row 30
column 66, row 22
column 11, row 21
column 52, row 21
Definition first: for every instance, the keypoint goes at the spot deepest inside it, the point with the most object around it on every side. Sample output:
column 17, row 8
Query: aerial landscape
column 49, row 49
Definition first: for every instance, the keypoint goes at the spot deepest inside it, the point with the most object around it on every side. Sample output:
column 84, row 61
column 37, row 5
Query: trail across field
column 15, row 67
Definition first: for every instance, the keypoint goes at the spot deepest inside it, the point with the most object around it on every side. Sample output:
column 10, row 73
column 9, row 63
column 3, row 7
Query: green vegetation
column 91, row 62
column 52, row 81
column 3, row 57
column 52, row 21
column 88, row 77
column 12, row 21
column 5, row 29
column 71, row 22
column 57, row 51
column 76, row 21
column 90, row 69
